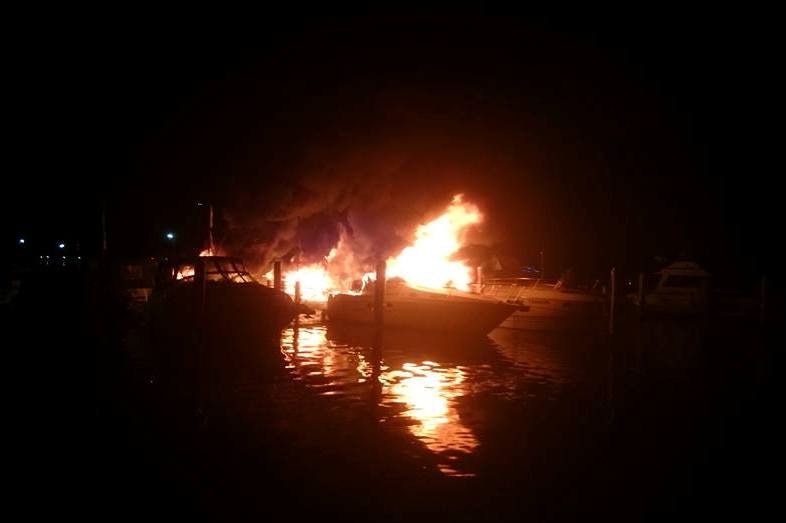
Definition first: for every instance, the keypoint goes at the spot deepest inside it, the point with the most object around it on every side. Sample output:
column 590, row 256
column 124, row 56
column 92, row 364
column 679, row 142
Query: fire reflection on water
column 429, row 393
column 420, row 396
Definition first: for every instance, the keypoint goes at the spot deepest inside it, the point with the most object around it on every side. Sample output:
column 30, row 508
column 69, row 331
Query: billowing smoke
column 372, row 197
column 374, row 169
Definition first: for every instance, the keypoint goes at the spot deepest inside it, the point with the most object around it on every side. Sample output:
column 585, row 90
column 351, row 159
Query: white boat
column 444, row 310
column 679, row 288
column 544, row 305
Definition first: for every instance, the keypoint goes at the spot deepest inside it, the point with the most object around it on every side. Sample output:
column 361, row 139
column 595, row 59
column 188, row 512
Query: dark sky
column 605, row 140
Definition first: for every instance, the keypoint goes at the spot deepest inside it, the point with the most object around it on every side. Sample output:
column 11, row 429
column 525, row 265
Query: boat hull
column 542, row 308
column 532, row 320
column 436, row 313
column 224, row 311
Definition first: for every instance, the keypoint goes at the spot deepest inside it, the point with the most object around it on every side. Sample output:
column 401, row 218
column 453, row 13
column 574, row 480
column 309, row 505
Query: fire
column 212, row 251
column 185, row 272
column 315, row 282
column 427, row 262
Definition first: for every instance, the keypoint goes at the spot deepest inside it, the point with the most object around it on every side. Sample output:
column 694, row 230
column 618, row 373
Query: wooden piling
column 103, row 230
column 763, row 303
column 641, row 296
column 612, row 298
column 297, row 292
column 542, row 266
column 379, row 293
column 210, row 230
column 277, row 275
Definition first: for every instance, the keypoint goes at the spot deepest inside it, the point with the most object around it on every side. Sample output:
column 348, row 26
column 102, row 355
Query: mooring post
column 200, row 285
column 297, row 292
column 379, row 293
column 612, row 297
column 103, row 230
column 542, row 267
column 763, row 305
column 641, row 297
column 200, row 365
column 210, row 230
column 277, row 275
column 478, row 287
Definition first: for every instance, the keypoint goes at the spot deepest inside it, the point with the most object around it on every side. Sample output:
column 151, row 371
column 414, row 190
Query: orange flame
column 427, row 262
column 185, row 272
column 315, row 282
column 215, row 251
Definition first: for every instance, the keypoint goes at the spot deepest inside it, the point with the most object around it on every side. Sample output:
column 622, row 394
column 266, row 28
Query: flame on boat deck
column 426, row 262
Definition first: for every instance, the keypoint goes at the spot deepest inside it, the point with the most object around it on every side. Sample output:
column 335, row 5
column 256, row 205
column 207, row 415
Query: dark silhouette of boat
column 214, row 299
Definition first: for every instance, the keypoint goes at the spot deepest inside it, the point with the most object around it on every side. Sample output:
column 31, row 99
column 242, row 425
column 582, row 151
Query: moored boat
column 216, row 296
column 445, row 310
column 542, row 305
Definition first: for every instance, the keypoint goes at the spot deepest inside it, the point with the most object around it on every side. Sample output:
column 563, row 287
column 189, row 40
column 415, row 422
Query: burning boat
column 445, row 310
column 542, row 305
column 215, row 296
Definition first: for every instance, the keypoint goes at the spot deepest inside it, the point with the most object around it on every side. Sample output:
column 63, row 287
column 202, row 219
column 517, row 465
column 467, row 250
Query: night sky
column 603, row 140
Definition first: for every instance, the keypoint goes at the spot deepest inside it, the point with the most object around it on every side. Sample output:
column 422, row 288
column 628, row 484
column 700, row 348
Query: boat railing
column 515, row 287
column 510, row 289
column 520, row 282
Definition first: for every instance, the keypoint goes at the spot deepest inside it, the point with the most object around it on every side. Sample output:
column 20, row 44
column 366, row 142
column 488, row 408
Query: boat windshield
column 216, row 270
column 683, row 281
column 226, row 269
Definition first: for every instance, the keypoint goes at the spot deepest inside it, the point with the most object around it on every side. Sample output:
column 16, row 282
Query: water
column 667, row 418
column 346, row 422
column 427, row 387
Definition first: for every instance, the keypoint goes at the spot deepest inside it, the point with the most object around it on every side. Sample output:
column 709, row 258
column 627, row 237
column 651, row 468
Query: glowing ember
column 427, row 261
column 206, row 252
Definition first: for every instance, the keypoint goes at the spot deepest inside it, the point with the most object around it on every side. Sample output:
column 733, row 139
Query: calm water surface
column 409, row 424
column 432, row 388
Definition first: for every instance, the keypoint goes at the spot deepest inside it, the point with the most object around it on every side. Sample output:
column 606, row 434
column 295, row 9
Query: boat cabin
column 682, row 287
column 203, row 268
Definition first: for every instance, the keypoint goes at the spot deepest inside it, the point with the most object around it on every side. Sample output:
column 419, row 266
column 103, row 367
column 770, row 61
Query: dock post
column 379, row 293
column 103, row 230
column 641, row 297
column 542, row 267
column 705, row 296
column 763, row 304
column 277, row 275
column 297, row 292
column 211, row 247
column 612, row 297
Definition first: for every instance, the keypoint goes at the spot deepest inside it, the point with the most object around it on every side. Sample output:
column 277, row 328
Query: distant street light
column 61, row 245
column 21, row 241
column 170, row 236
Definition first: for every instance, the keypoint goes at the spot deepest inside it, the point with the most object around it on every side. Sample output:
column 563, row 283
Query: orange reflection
column 424, row 394
column 428, row 391
column 325, row 367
